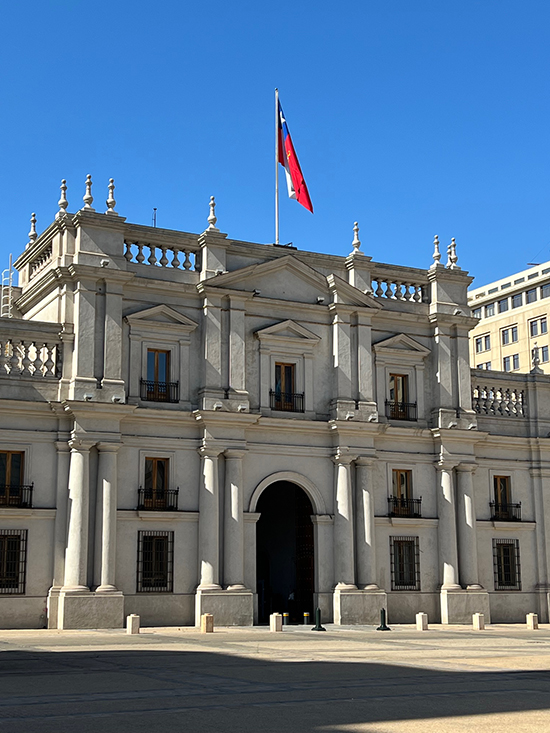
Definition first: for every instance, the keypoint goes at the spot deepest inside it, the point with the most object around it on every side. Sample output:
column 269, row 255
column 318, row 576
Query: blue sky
column 411, row 116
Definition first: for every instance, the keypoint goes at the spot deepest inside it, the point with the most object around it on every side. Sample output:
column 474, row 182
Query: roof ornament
column 32, row 234
column 453, row 258
column 356, row 241
column 62, row 203
column 88, row 198
column 436, row 255
column 212, row 219
column 111, row 203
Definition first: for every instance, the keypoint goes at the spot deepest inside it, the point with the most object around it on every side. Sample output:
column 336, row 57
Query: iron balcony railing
column 16, row 496
column 158, row 500
column 505, row 512
column 401, row 410
column 160, row 391
column 399, row 506
column 287, row 401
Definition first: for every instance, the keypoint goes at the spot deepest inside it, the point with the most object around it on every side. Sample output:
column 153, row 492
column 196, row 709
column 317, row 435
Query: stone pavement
column 250, row 681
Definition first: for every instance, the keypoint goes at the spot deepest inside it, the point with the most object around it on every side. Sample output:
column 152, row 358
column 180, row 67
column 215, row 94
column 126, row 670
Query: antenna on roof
column 155, row 216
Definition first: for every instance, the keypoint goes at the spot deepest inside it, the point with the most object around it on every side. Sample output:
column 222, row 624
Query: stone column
column 466, row 525
column 76, row 558
column 233, row 550
column 447, row 527
column 209, row 520
column 61, row 506
column 344, row 567
column 107, row 484
column 364, row 527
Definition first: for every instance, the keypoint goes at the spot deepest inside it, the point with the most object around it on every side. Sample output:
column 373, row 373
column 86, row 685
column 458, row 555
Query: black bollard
column 318, row 626
column 286, row 619
column 383, row 626
column 306, row 618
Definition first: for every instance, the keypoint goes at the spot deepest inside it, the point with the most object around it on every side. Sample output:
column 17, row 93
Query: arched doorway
column 284, row 552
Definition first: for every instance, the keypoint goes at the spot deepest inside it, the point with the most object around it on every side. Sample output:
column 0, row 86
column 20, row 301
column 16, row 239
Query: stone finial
column 452, row 258
column 212, row 219
column 356, row 241
column 437, row 254
column 111, row 203
column 62, row 203
column 32, row 234
column 449, row 261
column 88, row 198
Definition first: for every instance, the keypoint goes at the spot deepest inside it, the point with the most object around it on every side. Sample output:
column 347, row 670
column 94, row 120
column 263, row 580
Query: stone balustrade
column 30, row 349
column 401, row 284
column 499, row 401
column 173, row 256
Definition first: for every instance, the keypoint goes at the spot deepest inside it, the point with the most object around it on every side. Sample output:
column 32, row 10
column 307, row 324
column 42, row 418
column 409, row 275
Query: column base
column 358, row 606
column 229, row 607
column 458, row 606
column 88, row 610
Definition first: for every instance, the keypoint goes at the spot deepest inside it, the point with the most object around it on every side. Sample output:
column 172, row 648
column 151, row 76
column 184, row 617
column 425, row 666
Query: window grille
column 405, row 563
column 155, row 566
column 13, row 560
column 506, row 564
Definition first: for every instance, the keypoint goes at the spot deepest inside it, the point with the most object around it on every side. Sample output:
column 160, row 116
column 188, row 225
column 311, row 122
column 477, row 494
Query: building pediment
column 403, row 345
column 287, row 330
column 346, row 294
column 160, row 318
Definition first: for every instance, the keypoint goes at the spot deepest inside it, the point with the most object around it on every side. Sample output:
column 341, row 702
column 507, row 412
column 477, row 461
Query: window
column 489, row 310
column 156, row 494
column 12, row 491
column 158, row 387
column 505, row 285
column 517, row 300
column 401, row 502
column 398, row 406
column 532, row 276
column 534, row 328
column 402, row 483
column 479, row 344
column 519, row 280
column 514, row 334
column 485, row 365
column 509, row 335
column 505, row 336
column 405, row 563
column 506, row 564
column 532, row 295
column 515, row 361
column 544, row 353
column 506, row 364
column 13, row 560
column 545, row 291
column 503, row 305
column 543, row 325
column 492, row 290
column 476, row 312
column 155, row 568
column 501, row 485
column 538, row 325
column 284, row 396
column 158, row 365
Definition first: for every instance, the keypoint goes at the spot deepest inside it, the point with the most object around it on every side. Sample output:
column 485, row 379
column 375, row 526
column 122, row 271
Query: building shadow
column 165, row 691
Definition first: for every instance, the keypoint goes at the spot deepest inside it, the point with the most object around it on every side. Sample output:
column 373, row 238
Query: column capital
column 234, row 453
column 77, row 445
column 365, row 460
column 446, row 465
column 209, row 451
column 109, row 447
column 343, row 459
column 466, row 467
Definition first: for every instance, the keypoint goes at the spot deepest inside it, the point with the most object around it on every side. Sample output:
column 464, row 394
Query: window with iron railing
column 284, row 397
column 155, row 566
column 155, row 494
column 158, row 387
column 13, row 561
column 398, row 406
column 405, row 563
column 506, row 564
column 13, row 492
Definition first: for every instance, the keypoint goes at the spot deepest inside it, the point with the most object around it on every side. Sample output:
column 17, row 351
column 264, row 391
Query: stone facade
column 233, row 373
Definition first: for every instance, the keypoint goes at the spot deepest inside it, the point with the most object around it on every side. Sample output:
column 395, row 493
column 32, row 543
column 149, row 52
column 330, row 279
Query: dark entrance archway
column 284, row 552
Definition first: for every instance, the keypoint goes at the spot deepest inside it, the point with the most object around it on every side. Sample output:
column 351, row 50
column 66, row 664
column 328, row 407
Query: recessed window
column 506, row 564
column 531, row 295
column 13, row 561
column 532, row 276
column 156, row 494
column 483, row 343
column 517, row 300
column 503, row 305
column 543, row 325
column 401, row 502
column 544, row 353
column 155, row 569
column 519, row 280
column 476, row 312
column 485, row 365
column 158, row 387
column 489, row 310
column 398, row 406
column 492, row 290
column 405, row 563
column 538, row 325
column 545, row 291
column 507, row 364
column 284, row 397
column 505, row 285
column 515, row 361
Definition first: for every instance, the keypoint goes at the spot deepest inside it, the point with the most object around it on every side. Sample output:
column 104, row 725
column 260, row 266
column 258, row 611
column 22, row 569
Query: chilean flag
column 297, row 188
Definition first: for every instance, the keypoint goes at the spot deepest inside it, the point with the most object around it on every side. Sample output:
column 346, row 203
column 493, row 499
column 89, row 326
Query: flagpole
column 276, row 166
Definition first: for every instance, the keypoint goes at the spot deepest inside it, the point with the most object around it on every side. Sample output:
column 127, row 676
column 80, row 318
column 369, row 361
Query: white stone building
column 191, row 423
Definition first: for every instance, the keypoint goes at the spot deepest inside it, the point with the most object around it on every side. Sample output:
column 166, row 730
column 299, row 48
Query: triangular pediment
column 402, row 343
column 287, row 330
column 161, row 316
column 343, row 292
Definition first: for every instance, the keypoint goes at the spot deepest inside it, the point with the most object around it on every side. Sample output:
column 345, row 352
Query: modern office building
column 191, row 423
column 513, row 321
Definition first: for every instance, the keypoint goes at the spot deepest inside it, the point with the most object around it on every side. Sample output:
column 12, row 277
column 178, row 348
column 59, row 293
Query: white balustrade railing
column 406, row 286
column 178, row 258
column 30, row 349
column 499, row 401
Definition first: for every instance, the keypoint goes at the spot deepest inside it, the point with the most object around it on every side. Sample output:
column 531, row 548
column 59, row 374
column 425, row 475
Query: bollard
column 478, row 620
column 132, row 624
column 532, row 621
column 318, row 626
column 275, row 622
column 421, row 621
column 207, row 623
column 306, row 618
column 286, row 619
column 383, row 626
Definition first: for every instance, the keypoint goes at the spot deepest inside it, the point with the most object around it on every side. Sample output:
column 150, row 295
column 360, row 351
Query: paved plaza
column 250, row 680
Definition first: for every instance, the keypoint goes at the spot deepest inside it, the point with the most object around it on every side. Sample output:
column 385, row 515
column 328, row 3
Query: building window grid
column 489, row 310
column 506, row 564
column 531, row 295
column 13, row 561
column 545, row 291
column 517, row 300
column 405, row 563
column 509, row 335
column 503, row 305
column 155, row 561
